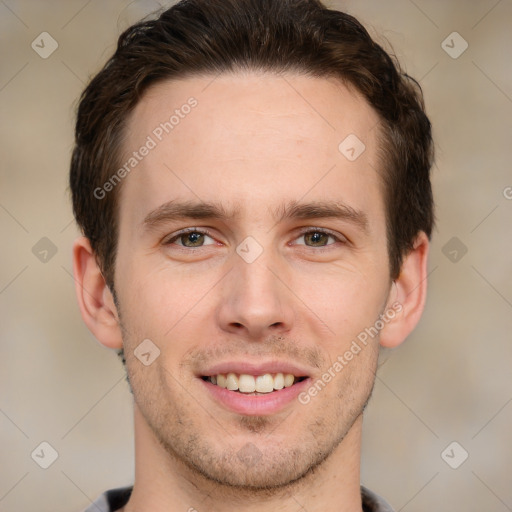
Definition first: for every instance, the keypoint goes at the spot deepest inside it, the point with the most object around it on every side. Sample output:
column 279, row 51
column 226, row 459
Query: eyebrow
column 200, row 210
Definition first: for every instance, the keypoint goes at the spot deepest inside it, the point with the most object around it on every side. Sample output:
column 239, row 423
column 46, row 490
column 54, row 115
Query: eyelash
column 204, row 231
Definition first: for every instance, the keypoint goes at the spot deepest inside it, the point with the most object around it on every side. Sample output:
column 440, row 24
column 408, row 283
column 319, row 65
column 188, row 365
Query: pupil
column 192, row 238
column 316, row 237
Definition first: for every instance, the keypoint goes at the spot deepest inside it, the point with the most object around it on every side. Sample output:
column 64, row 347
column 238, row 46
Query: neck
column 165, row 484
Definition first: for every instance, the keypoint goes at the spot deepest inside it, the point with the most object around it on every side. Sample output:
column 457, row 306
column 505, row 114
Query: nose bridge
column 254, row 298
column 257, row 280
column 256, row 283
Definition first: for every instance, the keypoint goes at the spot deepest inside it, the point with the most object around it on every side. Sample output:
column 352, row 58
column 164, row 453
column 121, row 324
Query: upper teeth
column 249, row 383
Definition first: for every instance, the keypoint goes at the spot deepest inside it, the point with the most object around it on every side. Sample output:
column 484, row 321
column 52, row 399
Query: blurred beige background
column 451, row 381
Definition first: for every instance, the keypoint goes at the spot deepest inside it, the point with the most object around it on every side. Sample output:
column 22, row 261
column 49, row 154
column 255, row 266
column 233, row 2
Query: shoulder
column 373, row 502
column 111, row 500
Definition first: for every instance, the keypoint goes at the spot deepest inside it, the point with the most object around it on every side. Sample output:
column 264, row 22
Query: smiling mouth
column 253, row 384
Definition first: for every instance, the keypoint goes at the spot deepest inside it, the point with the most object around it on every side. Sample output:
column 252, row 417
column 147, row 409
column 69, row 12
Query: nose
column 254, row 302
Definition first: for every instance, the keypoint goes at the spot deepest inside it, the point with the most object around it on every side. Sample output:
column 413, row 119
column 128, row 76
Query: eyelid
column 312, row 229
column 307, row 229
column 174, row 236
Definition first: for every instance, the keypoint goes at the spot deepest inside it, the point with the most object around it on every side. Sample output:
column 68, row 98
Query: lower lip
column 253, row 405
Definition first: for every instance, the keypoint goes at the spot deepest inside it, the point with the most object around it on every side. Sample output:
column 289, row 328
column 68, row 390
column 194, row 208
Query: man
column 252, row 181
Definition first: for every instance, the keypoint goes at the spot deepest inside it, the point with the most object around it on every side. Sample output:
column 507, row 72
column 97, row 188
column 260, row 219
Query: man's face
column 255, row 146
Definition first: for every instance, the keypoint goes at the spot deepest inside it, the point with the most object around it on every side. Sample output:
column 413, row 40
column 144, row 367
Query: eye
column 190, row 238
column 194, row 238
column 318, row 238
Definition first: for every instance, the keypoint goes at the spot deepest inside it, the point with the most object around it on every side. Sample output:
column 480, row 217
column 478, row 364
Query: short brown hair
column 198, row 37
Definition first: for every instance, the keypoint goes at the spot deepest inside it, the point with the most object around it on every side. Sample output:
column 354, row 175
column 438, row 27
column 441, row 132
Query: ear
column 408, row 299
column 94, row 297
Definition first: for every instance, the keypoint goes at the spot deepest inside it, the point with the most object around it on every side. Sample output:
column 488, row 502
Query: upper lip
column 244, row 367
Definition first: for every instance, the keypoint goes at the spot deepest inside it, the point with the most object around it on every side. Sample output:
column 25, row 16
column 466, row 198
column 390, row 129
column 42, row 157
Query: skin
column 254, row 142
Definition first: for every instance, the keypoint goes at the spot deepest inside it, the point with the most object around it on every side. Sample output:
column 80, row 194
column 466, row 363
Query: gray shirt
column 114, row 499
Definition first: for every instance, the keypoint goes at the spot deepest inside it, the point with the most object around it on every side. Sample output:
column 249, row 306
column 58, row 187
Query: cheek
column 159, row 300
column 346, row 301
column 145, row 305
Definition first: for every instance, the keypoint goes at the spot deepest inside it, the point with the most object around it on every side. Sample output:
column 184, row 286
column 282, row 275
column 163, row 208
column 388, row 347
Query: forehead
column 311, row 108
column 253, row 137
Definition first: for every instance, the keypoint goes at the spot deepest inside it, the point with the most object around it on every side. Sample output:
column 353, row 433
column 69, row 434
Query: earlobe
column 94, row 297
column 408, row 300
